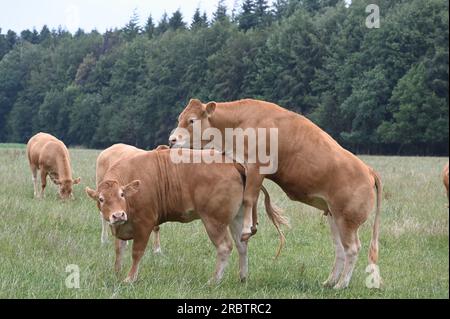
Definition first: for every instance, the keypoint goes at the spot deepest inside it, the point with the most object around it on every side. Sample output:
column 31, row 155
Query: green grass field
column 39, row 238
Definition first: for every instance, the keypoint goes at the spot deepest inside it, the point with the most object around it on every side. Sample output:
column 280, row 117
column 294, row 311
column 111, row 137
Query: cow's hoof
column 157, row 251
column 254, row 230
column 212, row 282
column 328, row 284
column 129, row 280
column 340, row 286
column 243, row 280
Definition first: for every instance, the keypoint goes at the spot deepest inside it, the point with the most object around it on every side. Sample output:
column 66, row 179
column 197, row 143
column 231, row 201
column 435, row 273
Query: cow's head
column 111, row 199
column 65, row 187
column 195, row 114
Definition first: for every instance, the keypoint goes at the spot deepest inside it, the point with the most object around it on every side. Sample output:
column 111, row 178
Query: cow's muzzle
column 118, row 218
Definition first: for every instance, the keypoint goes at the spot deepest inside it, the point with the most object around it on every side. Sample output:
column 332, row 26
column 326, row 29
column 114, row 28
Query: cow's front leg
column 120, row 248
column 157, row 240
column 104, row 235
column 140, row 242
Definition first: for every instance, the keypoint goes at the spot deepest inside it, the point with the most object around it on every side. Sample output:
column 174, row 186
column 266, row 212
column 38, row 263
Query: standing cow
column 312, row 168
column 105, row 160
column 50, row 156
column 146, row 190
column 445, row 179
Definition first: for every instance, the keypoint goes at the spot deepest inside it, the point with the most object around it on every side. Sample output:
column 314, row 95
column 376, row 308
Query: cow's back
column 312, row 152
column 202, row 183
column 302, row 146
column 179, row 188
column 35, row 146
column 112, row 155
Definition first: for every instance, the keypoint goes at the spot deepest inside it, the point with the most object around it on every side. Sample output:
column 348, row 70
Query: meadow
column 40, row 238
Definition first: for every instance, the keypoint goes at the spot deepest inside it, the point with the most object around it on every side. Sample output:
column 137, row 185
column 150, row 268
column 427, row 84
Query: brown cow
column 312, row 168
column 445, row 178
column 105, row 160
column 50, row 156
column 146, row 190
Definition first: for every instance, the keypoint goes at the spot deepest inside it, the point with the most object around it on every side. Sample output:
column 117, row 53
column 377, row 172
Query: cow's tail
column 276, row 217
column 373, row 249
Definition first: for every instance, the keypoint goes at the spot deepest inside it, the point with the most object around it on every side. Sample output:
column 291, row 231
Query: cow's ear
column 210, row 108
column 132, row 188
column 91, row 193
column 195, row 101
column 76, row 181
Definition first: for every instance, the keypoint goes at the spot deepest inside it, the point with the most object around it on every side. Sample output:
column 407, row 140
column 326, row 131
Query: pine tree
column 176, row 21
column 4, row 48
column 11, row 38
column 247, row 19
column 45, row 34
column 205, row 19
column 221, row 12
column 27, row 35
column 149, row 27
column 261, row 12
column 163, row 24
column 280, row 9
column 199, row 20
column 132, row 28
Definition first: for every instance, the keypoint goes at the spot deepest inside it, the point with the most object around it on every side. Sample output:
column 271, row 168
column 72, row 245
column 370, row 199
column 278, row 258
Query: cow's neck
column 167, row 188
column 225, row 116
column 63, row 171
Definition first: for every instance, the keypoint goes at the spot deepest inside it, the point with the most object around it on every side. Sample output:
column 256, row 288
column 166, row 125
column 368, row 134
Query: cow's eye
column 191, row 121
column 101, row 200
column 122, row 194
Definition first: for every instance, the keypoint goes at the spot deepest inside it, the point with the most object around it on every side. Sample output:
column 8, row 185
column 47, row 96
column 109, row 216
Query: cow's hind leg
column 339, row 254
column 253, row 185
column 34, row 172
column 220, row 237
column 43, row 182
column 348, row 232
column 236, row 230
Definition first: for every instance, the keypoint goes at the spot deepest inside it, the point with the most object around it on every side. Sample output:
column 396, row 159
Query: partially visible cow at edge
column 149, row 189
column 445, row 178
column 312, row 168
column 105, row 160
column 50, row 156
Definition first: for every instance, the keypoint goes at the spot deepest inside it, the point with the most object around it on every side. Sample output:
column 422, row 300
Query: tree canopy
column 382, row 90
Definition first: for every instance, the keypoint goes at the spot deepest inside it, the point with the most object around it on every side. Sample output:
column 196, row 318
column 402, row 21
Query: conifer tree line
column 378, row 91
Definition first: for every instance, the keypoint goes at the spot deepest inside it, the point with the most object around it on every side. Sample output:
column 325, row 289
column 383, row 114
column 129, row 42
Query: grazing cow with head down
column 50, row 156
column 105, row 160
column 312, row 168
column 146, row 190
